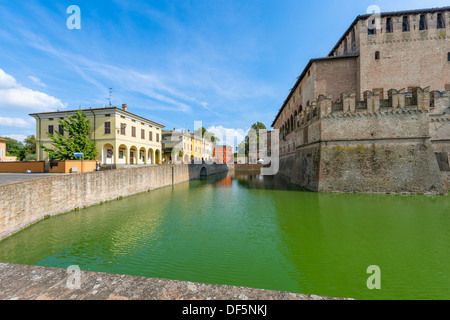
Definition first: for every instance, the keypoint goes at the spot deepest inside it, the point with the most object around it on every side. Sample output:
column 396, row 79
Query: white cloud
column 18, row 137
column 37, row 81
column 7, row 81
column 13, row 94
column 16, row 122
column 228, row 136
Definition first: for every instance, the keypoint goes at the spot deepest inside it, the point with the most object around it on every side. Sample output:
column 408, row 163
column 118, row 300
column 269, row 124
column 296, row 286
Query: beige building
column 410, row 49
column 188, row 147
column 122, row 138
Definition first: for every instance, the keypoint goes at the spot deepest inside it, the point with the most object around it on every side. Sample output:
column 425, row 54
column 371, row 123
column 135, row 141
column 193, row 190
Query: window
column 372, row 30
column 50, row 129
column 107, row 115
column 377, row 55
column 133, row 132
column 142, row 134
column 448, row 56
column 353, row 37
column 157, row 137
column 389, row 25
column 150, row 136
column 61, row 129
column 440, row 21
column 345, row 47
column 51, row 119
column 405, row 24
column 123, row 126
column 107, row 127
column 423, row 23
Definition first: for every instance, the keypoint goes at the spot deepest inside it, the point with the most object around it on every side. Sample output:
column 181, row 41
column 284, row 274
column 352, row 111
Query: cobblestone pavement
column 20, row 282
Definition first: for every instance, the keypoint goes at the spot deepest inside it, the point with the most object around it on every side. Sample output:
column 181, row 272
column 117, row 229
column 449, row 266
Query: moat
column 254, row 231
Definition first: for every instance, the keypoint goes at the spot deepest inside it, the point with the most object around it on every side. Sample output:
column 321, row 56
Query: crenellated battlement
column 419, row 100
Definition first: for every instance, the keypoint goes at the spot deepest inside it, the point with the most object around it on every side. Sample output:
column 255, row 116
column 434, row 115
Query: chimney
column 124, row 107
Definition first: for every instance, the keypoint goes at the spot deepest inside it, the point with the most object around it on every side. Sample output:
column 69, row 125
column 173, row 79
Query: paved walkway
column 14, row 177
column 19, row 282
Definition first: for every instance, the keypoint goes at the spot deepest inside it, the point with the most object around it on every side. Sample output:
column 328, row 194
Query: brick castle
column 374, row 115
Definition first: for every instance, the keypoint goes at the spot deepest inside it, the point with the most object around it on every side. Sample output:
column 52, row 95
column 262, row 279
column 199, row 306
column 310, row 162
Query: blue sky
column 227, row 63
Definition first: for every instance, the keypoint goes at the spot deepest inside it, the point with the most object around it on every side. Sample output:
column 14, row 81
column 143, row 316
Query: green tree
column 14, row 147
column 78, row 128
column 30, row 147
column 202, row 132
column 254, row 135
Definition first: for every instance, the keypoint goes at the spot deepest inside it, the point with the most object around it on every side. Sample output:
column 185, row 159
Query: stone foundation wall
column 306, row 167
column 380, row 167
column 286, row 164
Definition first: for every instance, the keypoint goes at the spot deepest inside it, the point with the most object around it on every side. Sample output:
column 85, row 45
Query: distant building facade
column 3, row 156
column 122, row 138
column 223, row 154
column 185, row 147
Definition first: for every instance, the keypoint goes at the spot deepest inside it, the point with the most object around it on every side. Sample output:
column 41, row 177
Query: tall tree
column 254, row 135
column 30, row 146
column 78, row 128
column 14, row 147
column 202, row 132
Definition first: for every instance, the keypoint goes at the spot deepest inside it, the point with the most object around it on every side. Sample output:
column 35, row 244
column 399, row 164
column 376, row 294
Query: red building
column 223, row 154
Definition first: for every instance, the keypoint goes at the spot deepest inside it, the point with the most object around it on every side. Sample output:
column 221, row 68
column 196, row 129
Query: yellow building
column 186, row 147
column 177, row 146
column 122, row 138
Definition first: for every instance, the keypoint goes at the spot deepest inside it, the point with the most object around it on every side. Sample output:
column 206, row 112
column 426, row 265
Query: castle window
column 377, row 55
column 371, row 30
column 389, row 25
column 107, row 127
column 405, row 24
column 423, row 23
column 353, row 37
column 440, row 21
column 50, row 129
column 345, row 47
column 448, row 56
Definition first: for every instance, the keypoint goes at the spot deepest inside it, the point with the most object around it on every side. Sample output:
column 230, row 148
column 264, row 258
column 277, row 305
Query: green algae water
column 258, row 232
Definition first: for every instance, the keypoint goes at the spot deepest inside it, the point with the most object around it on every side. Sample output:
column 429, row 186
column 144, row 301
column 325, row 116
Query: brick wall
column 22, row 167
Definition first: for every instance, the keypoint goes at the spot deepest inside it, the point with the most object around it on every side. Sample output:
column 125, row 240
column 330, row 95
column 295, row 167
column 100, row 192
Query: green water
column 255, row 232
